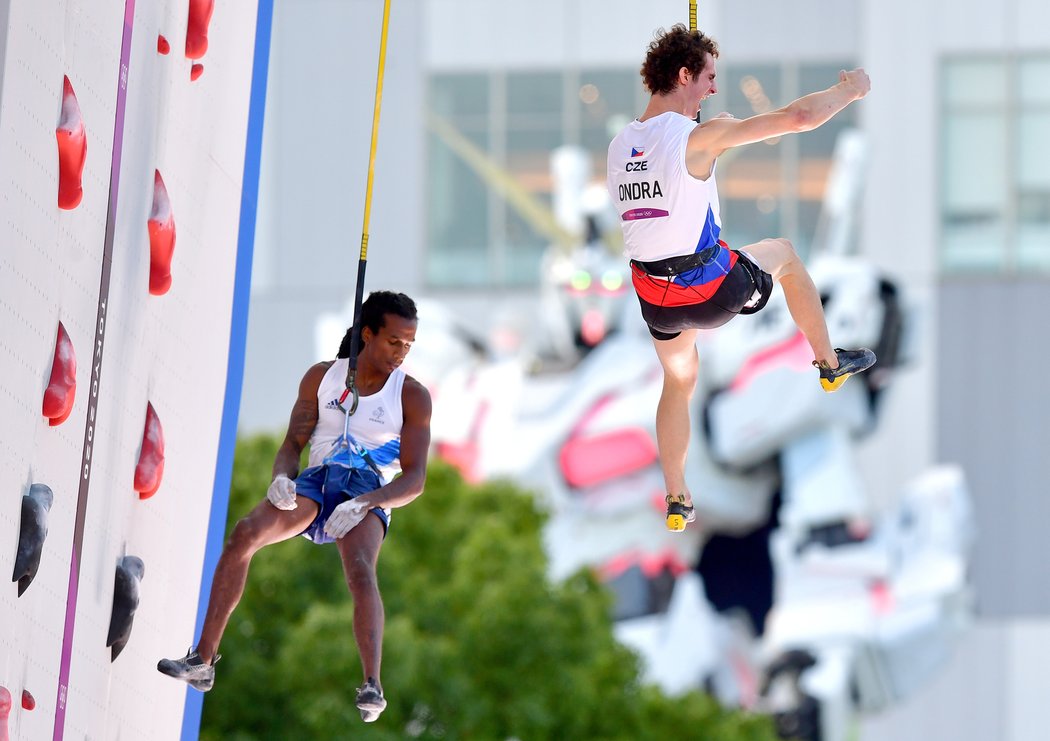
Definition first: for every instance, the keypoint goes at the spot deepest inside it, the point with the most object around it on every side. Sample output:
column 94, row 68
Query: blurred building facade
column 956, row 207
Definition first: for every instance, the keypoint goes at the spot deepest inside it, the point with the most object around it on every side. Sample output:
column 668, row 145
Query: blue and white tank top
column 375, row 426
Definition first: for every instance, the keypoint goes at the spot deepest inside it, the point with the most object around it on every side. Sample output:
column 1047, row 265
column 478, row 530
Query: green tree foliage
column 479, row 644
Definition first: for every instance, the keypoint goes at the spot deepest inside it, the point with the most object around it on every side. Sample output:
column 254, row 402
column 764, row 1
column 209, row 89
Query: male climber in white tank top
column 661, row 178
column 347, row 490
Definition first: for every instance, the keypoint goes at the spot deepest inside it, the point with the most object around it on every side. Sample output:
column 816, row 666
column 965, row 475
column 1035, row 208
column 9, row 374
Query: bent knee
column 777, row 256
column 246, row 535
column 685, row 376
column 681, row 379
column 360, row 574
column 781, row 247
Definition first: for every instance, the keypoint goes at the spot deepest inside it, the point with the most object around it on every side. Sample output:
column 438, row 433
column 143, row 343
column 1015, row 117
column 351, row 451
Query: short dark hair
column 672, row 50
column 373, row 315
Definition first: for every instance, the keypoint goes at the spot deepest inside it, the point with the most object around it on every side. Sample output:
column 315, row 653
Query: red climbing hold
column 161, row 238
column 5, row 710
column 61, row 389
column 196, row 71
column 163, row 47
column 197, row 28
column 28, row 701
column 150, row 468
column 72, row 149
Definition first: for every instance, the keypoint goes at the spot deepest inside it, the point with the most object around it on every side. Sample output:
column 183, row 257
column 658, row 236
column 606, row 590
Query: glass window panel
column 975, row 243
column 457, row 217
column 749, row 220
column 974, row 177
column 458, row 267
column 816, row 150
column 522, row 264
column 461, row 96
column 1033, row 247
column 814, row 77
column 528, row 164
column 534, row 93
column 743, row 174
column 604, row 93
column 808, row 217
column 1033, row 207
column 522, row 231
column 524, row 246
column 1033, row 150
column 1034, row 85
column 535, row 141
column 1033, row 230
column 595, row 139
column 820, row 142
column 607, row 101
column 971, row 248
column 529, row 157
column 981, row 82
column 745, row 91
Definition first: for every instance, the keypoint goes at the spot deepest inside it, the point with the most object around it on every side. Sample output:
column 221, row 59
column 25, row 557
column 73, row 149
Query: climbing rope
column 355, row 332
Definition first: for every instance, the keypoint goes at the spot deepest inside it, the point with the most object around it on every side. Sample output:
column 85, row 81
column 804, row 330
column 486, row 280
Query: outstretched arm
column 302, row 423
column 711, row 138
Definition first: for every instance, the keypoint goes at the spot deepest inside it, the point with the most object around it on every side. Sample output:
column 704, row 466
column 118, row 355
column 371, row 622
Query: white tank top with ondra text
column 375, row 425
column 664, row 211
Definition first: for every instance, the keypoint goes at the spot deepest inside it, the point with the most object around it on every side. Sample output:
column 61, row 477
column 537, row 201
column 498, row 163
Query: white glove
column 345, row 518
column 282, row 493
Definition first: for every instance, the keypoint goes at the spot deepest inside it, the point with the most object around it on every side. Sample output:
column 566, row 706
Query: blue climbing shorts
column 330, row 486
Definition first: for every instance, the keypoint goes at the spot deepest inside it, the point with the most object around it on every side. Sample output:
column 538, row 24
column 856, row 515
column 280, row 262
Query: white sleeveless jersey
column 376, row 425
column 664, row 211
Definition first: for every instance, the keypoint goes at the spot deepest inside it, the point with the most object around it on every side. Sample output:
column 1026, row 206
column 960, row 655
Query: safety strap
column 348, row 441
column 672, row 266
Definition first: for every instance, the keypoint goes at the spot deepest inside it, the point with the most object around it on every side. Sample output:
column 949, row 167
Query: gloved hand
column 345, row 518
column 282, row 493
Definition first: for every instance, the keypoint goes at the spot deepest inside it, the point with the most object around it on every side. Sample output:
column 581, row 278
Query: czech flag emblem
column 637, row 152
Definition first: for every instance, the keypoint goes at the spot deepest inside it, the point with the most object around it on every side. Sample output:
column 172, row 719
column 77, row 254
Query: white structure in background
column 882, row 582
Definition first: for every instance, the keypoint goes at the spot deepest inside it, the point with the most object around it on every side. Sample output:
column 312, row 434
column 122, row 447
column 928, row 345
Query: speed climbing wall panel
column 122, row 158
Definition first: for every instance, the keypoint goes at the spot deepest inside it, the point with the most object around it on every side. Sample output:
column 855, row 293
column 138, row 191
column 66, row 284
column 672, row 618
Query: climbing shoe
column 191, row 669
column 370, row 702
column 678, row 513
column 850, row 362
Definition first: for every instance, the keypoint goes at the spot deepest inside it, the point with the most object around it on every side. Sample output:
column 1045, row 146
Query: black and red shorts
column 703, row 290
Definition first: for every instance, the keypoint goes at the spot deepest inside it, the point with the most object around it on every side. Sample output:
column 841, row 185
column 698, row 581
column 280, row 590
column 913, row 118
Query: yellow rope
column 375, row 130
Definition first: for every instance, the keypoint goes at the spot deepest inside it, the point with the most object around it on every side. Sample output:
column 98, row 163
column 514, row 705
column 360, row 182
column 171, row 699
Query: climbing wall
column 124, row 128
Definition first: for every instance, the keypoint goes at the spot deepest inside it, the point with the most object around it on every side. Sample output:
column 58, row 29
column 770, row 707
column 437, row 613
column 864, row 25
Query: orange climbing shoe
column 850, row 362
column 678, row 513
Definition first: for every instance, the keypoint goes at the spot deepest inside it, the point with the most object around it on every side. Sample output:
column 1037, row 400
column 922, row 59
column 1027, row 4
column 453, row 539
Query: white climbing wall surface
column 137, row 269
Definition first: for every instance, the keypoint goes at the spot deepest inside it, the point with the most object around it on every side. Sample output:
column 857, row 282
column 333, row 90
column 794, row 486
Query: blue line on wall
column 191, row 718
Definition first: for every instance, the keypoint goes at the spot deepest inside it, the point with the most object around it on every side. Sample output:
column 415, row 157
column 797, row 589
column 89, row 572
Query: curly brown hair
column 672, row 50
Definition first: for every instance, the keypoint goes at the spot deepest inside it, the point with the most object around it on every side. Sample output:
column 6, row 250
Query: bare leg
column 778, row 258
column 262, row 526
column 681, row 365
column 359, row 550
